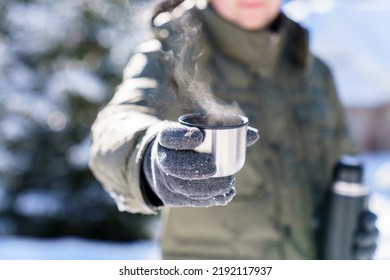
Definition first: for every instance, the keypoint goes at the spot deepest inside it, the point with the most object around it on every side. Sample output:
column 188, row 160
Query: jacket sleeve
column 129, row 122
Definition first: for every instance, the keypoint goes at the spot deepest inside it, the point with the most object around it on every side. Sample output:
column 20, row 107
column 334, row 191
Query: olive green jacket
column 286, row 93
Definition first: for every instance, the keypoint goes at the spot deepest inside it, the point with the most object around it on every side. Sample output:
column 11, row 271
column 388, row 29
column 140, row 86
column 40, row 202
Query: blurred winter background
column 59, row 64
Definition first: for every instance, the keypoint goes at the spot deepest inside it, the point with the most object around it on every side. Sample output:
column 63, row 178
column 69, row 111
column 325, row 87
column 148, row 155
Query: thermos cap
column 349, row 169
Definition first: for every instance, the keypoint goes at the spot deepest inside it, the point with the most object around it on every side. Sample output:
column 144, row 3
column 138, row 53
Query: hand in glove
column 180, row 176
column 366, row 237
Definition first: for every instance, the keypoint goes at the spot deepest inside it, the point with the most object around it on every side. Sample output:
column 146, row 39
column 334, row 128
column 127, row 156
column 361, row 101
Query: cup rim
column 184, row 120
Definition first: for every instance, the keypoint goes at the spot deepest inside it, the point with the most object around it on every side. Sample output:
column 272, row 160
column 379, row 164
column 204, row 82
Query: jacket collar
column 260, row 50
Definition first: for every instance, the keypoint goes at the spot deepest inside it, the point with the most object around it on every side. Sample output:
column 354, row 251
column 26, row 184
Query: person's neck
column 258, row 49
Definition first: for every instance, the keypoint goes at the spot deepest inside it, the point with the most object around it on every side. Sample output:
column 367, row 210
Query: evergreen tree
column 60, row 62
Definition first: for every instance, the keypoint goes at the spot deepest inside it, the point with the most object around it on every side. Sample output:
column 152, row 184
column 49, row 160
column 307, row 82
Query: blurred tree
column 59, row 63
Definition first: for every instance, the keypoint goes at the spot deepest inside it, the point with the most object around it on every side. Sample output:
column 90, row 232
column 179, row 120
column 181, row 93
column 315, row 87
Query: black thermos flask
column 347, row 200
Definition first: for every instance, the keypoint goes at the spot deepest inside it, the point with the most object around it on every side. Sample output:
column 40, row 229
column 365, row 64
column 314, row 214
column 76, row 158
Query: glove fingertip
column 185, row 164
column 368, row 220
column 365, row 253
column 180, row 137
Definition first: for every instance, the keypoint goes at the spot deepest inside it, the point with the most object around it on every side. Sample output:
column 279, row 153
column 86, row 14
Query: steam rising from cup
column 191, row 76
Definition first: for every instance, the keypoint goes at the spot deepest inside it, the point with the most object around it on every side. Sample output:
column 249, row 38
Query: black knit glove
column 365, row 242
column 180, row 176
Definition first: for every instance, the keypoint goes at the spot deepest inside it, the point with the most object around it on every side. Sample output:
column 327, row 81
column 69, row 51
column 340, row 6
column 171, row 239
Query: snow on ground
column 22, row 248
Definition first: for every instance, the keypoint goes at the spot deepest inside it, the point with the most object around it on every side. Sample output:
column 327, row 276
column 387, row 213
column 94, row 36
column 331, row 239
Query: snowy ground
column 377, row 176
column 17, row 248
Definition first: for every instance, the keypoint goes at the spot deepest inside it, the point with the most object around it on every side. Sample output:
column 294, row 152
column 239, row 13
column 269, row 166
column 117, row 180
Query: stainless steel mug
column 224, row 138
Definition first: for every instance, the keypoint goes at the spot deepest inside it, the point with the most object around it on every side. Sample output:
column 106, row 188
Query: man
column 244, row 52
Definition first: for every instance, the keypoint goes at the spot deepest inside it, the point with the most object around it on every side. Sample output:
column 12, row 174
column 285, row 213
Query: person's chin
column 254, row 24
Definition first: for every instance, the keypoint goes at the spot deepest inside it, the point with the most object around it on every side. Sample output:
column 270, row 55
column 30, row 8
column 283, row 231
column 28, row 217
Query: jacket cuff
column 146, row 182
column 135, row 178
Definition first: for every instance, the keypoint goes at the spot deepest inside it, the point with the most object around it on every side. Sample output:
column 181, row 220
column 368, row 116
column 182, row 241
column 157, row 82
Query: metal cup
column 224, row 139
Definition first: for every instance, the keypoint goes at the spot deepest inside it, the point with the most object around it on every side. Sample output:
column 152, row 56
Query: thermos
column 347, row 200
